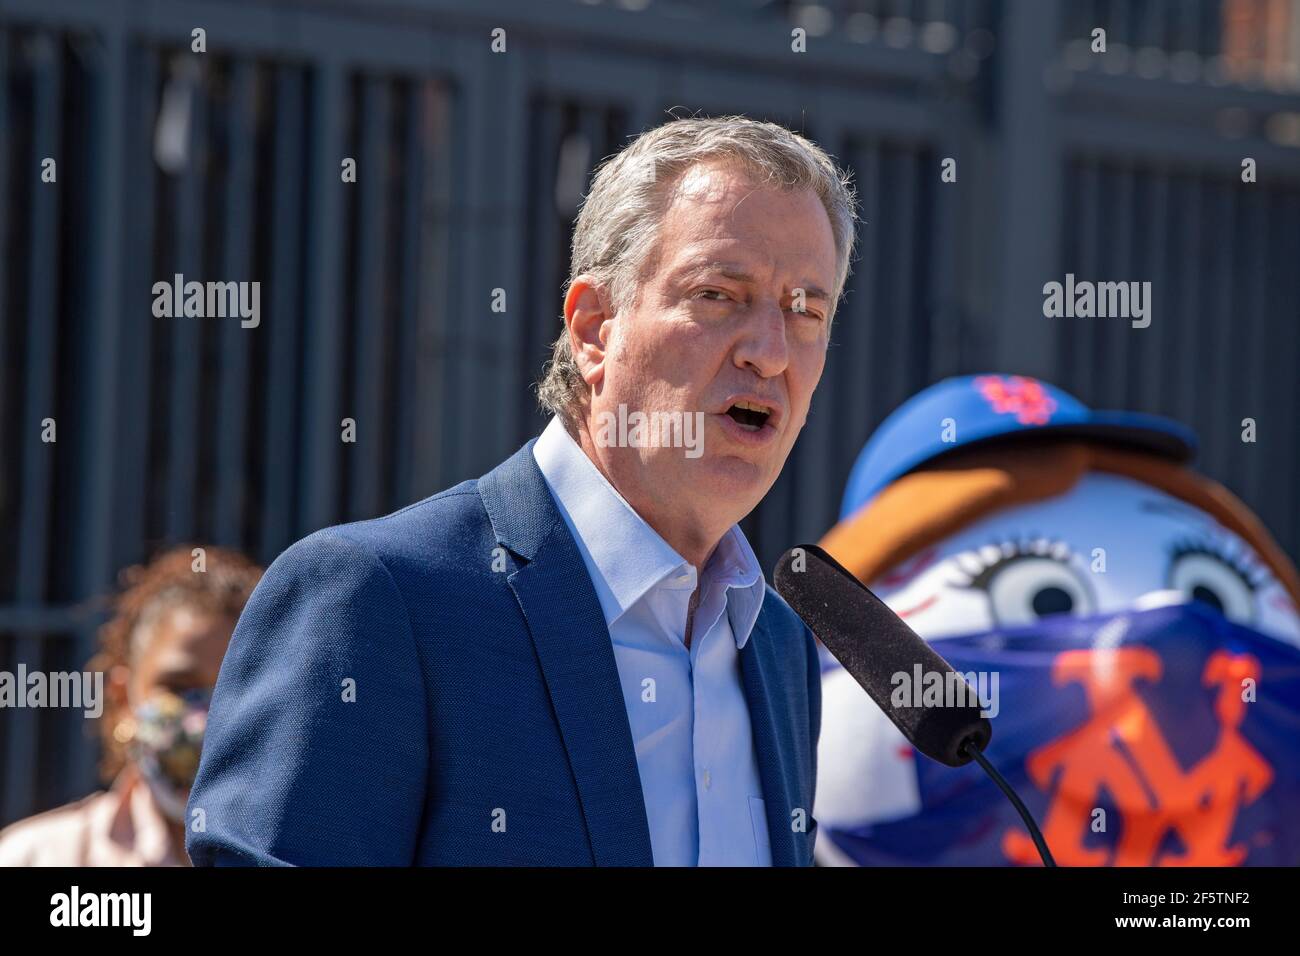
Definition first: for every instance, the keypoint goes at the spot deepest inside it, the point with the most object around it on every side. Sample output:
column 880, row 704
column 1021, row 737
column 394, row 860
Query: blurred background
column 376, row 296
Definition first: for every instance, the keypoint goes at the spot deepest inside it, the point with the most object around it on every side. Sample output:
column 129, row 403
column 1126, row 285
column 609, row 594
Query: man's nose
column 762, row 346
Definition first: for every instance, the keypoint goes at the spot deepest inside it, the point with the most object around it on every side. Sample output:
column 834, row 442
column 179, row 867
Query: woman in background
column 160, row 655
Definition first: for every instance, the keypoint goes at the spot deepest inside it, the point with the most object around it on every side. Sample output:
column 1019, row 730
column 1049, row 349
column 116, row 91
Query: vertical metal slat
column 236, row 341
column 370, row 323
column 278, row 520
column 184, row 426
column 37, row 466
column 322, row 318
column 139, row 275
column 101, row 440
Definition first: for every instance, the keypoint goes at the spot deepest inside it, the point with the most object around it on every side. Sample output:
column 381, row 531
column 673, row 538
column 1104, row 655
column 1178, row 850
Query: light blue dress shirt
column 687, row 709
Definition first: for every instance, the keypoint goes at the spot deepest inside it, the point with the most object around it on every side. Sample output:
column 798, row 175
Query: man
column 575, row 659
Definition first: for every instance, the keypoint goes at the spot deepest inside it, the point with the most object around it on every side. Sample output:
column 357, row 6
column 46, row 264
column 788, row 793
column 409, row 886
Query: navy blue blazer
column 438, row 687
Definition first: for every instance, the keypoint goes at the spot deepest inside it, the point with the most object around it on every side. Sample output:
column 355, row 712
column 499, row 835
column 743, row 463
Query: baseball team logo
column 1121, row 750
column 1026, row 398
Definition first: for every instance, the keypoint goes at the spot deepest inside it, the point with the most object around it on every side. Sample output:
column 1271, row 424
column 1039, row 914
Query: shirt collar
column 136, row 823
column 624, row 555
column 734, row 565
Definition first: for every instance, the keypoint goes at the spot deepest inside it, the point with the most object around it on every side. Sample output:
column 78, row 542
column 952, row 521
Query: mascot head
column 1137, row 624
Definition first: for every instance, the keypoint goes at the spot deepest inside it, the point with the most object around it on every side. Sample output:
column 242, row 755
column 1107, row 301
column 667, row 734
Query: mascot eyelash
column 1252, row 574
column 979, row 565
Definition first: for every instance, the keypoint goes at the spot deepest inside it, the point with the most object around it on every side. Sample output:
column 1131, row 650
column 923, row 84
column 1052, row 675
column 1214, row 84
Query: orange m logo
column 1120, row 748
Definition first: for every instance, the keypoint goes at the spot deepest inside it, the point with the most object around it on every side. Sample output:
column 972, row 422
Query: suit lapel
column 773, row 745
column 576, row 655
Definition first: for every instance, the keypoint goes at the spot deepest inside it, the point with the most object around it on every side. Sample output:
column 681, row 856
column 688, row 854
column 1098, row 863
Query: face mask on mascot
column 1145, row 662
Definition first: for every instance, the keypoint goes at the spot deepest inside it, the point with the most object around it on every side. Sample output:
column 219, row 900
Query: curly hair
column 150, row 590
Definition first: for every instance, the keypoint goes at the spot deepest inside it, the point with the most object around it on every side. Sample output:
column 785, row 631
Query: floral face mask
column 165, row 743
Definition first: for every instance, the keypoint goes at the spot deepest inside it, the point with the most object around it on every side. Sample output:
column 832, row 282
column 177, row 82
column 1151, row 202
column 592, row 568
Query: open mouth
column 749, row 415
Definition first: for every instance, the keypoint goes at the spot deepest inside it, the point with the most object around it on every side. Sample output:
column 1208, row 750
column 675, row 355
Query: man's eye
column 713, row 295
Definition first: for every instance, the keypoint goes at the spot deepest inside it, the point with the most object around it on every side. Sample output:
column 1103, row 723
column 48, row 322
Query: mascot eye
column 1026, row 581
column 1210, row 575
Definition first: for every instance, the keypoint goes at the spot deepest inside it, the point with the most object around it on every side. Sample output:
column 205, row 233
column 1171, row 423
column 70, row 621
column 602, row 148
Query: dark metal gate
column 376, row 296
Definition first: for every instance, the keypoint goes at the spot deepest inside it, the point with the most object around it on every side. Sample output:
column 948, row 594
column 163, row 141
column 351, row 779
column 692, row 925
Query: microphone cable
column 973, row 751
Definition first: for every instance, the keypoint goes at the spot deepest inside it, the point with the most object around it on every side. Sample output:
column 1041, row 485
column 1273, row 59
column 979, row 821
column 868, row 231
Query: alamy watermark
column 651, row 430
column 1103, row 300
column 923, row 688
column 78, row 690
column 208, row 300
column 133, row 911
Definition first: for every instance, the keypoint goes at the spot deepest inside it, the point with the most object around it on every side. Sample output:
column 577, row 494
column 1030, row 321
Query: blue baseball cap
column 961, row 412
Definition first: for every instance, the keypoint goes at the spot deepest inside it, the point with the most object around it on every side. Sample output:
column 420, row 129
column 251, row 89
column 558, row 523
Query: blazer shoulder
column 456, row 510
column 443, row 541
column 446, row 521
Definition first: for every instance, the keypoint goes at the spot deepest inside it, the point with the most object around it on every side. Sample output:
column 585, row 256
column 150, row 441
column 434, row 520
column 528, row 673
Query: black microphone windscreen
column 876, row 647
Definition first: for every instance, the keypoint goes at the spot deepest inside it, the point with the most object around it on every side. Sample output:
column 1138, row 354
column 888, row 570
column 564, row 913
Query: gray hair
column 619, row 222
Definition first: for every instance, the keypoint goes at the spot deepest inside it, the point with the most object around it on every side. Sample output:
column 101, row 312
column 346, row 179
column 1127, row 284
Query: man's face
column 715, row 324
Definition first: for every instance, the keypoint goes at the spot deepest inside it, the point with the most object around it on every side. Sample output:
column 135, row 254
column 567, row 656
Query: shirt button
column 708, row 779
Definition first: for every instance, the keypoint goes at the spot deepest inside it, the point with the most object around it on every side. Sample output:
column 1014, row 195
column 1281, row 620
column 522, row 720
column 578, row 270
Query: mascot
column 1130, row 625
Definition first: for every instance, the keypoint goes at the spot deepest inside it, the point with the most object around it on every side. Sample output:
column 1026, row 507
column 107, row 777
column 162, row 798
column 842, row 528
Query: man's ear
column 586, row 312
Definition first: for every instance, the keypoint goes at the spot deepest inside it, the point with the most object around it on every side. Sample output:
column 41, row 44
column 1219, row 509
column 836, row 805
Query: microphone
column 875, row 646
